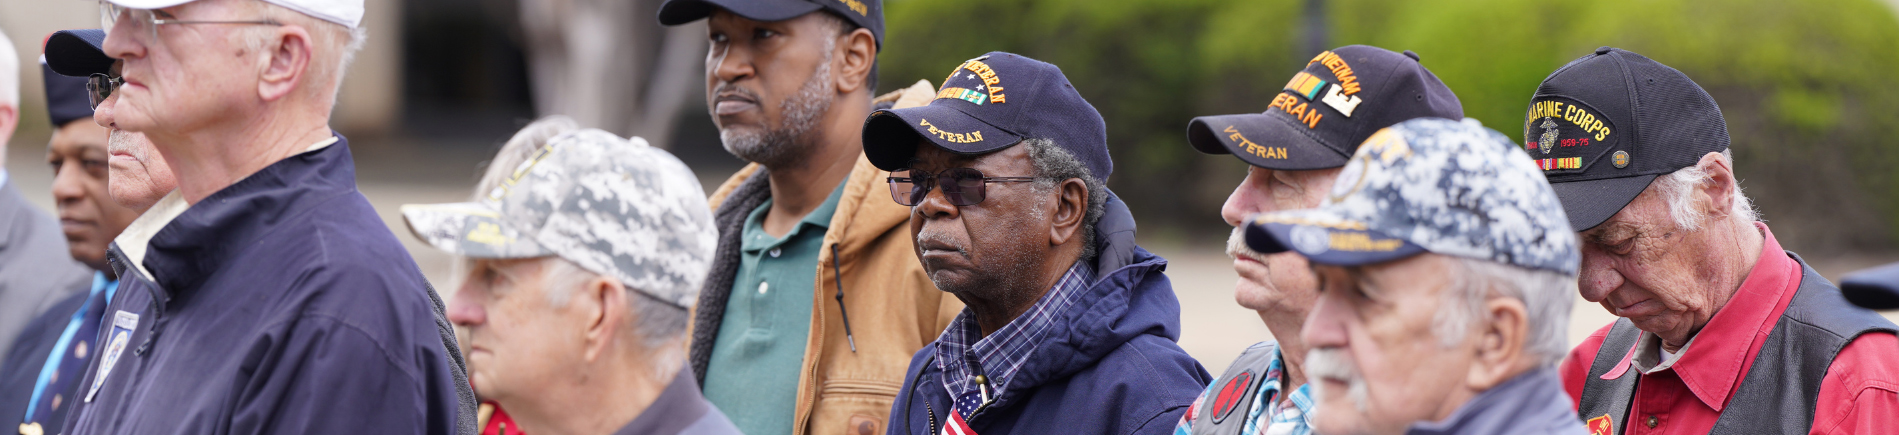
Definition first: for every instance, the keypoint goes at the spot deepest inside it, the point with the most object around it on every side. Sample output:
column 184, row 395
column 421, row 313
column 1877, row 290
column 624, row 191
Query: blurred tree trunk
column 610, row 65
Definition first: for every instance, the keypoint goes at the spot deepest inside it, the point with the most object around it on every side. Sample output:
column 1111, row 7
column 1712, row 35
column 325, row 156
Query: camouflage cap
column 616, row 207
column 1430, row 185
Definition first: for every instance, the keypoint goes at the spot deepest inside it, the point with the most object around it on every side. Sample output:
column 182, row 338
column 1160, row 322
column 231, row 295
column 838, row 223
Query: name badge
column 123, row 324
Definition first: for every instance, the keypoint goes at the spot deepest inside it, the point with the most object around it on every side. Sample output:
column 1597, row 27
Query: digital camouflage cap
column 617, row 207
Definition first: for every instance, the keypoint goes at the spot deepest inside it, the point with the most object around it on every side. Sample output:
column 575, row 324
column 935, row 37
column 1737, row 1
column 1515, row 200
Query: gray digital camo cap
column 1430, row 185
column 613, row 206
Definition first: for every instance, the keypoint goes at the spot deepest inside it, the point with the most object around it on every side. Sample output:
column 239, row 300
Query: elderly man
column 279, row 300
column 583, row 254
column 1291, row 165
column 1070, row 327
column 1445, row 280
column 810, row 253
column 1722, row 330
column 35, row 271
column 41, row 374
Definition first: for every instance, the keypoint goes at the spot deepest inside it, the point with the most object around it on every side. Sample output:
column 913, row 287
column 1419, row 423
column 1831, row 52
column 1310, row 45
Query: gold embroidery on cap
column 856, row 6
column 970, row 137
column 1340, row 69
column 1265, row 152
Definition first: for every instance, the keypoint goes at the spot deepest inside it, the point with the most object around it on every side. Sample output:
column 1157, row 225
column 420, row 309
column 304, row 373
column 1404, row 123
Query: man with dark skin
column 814, row 289
column 1003, row 173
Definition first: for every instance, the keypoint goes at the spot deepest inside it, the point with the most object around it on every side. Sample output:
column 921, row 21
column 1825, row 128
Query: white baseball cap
column 349, row 13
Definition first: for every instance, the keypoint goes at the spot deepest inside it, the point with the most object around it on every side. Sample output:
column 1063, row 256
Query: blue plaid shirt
column 1287, row 417
column 1001, row 355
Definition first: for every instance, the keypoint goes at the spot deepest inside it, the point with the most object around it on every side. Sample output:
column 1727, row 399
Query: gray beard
column 790, row 142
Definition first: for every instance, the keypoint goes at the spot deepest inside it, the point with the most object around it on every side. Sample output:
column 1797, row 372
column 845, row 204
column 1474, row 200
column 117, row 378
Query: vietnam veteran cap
column 1430, row 185
column 78, row 53
column 868, row 14
column 1339, row 99
column 1605, row 125
column 615, row 207
column 989, row 103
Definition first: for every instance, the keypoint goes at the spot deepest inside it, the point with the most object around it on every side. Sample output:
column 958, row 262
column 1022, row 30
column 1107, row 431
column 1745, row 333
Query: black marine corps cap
column 1605, row 125
column 868, row 14
column 1876, row 288
column 1329, row 108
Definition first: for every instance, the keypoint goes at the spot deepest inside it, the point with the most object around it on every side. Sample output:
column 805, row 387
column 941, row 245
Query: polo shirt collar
column 677, row 407
column 819, row 217
column 1725, row 346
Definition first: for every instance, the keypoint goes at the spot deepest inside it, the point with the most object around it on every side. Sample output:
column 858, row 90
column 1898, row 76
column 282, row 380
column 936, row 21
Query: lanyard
column 99, row 283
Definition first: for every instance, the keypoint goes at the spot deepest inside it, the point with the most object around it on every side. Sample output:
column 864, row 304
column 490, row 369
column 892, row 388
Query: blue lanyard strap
column 99, row 283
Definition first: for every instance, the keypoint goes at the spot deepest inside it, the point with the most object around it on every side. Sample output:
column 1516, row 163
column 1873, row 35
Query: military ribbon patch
column 1559, row 163
column 1306, row 85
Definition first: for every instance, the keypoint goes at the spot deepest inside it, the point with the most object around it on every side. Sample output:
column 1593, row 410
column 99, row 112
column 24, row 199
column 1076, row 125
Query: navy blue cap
column 990, row 103
column 78, row 53
column 868, row 14
column 66, row 99
column 1876, row 288
column 1605, row 125
column 1329, row 108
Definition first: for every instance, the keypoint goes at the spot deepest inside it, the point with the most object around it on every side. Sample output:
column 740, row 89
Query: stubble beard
column 790, row 142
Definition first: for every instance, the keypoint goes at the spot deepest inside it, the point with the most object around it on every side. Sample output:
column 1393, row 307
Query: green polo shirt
column 753, row 374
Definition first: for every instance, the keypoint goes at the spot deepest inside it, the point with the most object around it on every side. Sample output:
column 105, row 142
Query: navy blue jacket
column 20, row 371
column 1112, row 366
column 280, row 304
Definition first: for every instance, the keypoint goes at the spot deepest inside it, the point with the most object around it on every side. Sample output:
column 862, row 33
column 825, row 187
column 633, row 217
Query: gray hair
column 1054, row 165
column 1545, row 295
column 1678, row 189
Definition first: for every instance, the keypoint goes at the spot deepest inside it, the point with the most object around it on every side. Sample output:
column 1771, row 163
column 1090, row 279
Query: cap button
column 1602, row 50
column 1413, row 55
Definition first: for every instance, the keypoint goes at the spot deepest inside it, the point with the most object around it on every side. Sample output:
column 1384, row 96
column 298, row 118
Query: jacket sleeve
column 1861, row 388
column 325, row 375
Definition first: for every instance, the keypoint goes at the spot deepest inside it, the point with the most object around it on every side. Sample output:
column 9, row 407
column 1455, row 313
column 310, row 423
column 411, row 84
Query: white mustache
column 1236, row 246
column 1333, row 363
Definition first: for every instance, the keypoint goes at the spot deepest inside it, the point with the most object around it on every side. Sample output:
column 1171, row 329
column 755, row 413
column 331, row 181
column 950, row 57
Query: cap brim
column 149, row 4
column 1324, row 238
column 1589, row 203
column 1262, row 140
column 470, row 230
column 78, row 53
column 891, row 135
column 676, row 12
column 1875, row 289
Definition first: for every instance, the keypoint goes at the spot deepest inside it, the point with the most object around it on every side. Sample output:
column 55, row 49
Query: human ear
column 286, row 62
column 1721, row 186
column 858, row 52
column 601, row 303
column 1500, row 342
column 1070, row 208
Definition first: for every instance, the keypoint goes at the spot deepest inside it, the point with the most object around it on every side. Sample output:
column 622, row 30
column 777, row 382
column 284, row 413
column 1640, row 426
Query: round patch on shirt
column 1230, row 395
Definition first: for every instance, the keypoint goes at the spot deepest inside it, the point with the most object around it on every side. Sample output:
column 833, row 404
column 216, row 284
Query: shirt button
column 1652, row 421
column 775, row 252
column 763, row 287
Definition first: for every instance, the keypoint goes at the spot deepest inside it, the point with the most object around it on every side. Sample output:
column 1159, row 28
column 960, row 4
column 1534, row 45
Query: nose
column 466, row 309
column 1246, row 200
column 103, row 115
column 121, row 40
column 936, row 206
column 1599, row 276
column 68, row 184
column 730, row 65
column 1325, row 325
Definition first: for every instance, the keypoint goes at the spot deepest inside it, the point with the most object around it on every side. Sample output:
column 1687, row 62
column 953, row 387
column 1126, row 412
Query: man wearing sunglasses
column 1070, row 327
column 814, row 301
column 278, row 301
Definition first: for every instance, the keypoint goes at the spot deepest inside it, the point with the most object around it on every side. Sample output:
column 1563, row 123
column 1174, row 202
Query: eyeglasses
column 100, row 86
column 145, row 21
column 961, row 186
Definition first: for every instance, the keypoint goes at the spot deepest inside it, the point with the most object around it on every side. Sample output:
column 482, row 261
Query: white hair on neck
column 1546, row 296
column 1678, row 188
column 9, row 74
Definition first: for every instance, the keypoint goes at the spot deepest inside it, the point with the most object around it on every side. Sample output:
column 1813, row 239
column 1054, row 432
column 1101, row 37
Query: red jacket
column 1859, row 395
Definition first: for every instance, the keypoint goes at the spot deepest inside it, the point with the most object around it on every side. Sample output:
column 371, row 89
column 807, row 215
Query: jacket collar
column 1712, row 369
column 1128, row 298
column 205, row 236
column 1532, row 402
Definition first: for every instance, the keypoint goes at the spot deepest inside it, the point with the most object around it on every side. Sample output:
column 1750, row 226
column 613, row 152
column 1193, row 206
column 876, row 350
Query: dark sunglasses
column 100, row 86
column 961, row 186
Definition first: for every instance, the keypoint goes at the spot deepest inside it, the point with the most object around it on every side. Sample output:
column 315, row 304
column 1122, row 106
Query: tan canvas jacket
column 894, row 309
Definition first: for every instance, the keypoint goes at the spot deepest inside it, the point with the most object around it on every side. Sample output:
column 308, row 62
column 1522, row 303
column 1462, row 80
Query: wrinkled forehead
column 929, row 156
